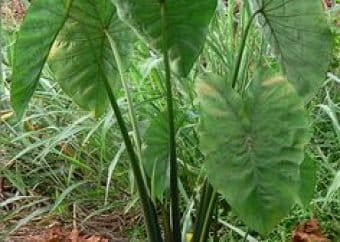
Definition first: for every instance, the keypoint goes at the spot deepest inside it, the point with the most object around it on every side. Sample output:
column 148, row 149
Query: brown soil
column 57, row 234
column 98, row 229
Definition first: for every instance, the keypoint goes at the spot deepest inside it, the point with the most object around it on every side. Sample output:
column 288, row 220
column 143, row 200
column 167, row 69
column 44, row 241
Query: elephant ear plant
column 252, row 136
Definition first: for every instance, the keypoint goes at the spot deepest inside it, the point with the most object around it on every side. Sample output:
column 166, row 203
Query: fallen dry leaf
column 309, row 232
column 75, row 236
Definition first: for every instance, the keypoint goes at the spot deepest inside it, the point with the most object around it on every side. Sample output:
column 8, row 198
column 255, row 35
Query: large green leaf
column 156, row 155
column 42, row 24
column 299, row 35
column 82, row 57
column 187, row 26
column 254, row 146
column 308, row 180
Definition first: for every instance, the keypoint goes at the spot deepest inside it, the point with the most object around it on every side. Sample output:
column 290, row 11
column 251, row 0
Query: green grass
column 67, row 163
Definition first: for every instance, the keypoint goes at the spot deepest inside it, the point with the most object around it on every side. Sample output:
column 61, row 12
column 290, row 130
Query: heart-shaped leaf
column 187, row 26
column 82, row 57
column 300, row 36
column 254, row 146
column 44, row 20
column 156, row 155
